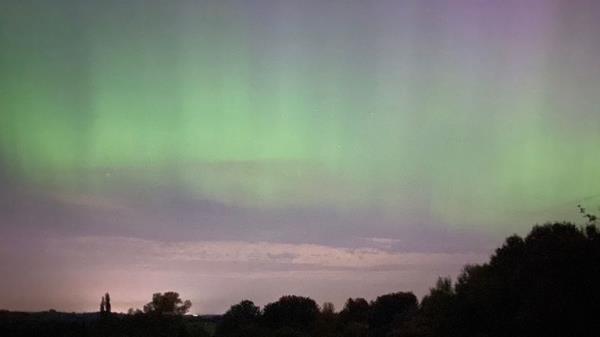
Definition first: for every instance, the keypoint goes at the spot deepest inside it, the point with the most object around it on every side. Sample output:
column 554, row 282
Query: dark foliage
column 241, row 320
column 102, row 305
column 294, row 313
column 546, row 284
column 390, row 310
column 53, row 324
column 107, row 305
column 326, row 325
column 355, row 310
column 168, row 303
column 354, row 318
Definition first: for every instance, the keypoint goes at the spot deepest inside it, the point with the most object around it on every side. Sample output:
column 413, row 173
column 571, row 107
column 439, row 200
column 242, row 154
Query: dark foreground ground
column 54, row 324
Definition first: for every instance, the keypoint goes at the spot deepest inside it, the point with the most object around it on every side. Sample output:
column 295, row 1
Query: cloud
column 170, row 214
column 383, row 242
column 213, row 274
column 266, row 254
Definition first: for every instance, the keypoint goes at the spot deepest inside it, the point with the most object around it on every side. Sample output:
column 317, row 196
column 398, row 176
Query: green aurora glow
column 332, row 111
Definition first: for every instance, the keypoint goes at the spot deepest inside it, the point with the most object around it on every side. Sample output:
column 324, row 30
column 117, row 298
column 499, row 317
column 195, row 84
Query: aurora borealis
column 231, row 149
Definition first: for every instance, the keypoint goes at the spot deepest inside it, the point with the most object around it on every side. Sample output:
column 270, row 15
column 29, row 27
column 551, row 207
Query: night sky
column 250, row 149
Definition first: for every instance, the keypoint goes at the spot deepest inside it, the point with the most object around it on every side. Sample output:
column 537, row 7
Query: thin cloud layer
column 318, row 256
column 222, row 268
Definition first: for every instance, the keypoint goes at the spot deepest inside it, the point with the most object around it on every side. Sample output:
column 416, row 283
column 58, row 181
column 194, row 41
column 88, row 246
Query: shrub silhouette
column 241, row 319
column 326, row 325
column 168, row 303
column 291, row 312
column 390, row 310
column 355, row 310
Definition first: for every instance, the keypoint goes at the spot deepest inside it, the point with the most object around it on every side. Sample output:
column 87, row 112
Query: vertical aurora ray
column 469, row 103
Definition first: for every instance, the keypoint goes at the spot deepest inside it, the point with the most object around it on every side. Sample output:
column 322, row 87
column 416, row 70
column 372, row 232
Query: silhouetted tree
column 326, row 325
column 436, row 314
column 328, row 309
column 168, row 303
column 354, row 318
column 132, row 311
column 390, row 311
column 291, row 313
column 102, row 305
column 543, row 285
column 591, row 218
column 107, row 305
column 355, row 310
column 241, row 320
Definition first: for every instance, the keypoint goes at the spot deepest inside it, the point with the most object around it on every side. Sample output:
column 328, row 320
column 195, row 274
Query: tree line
column 544, row 284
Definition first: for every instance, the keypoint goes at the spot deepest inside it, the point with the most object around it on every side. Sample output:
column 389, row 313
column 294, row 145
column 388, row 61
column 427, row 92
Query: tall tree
column 107, row 305
column 102, row 305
